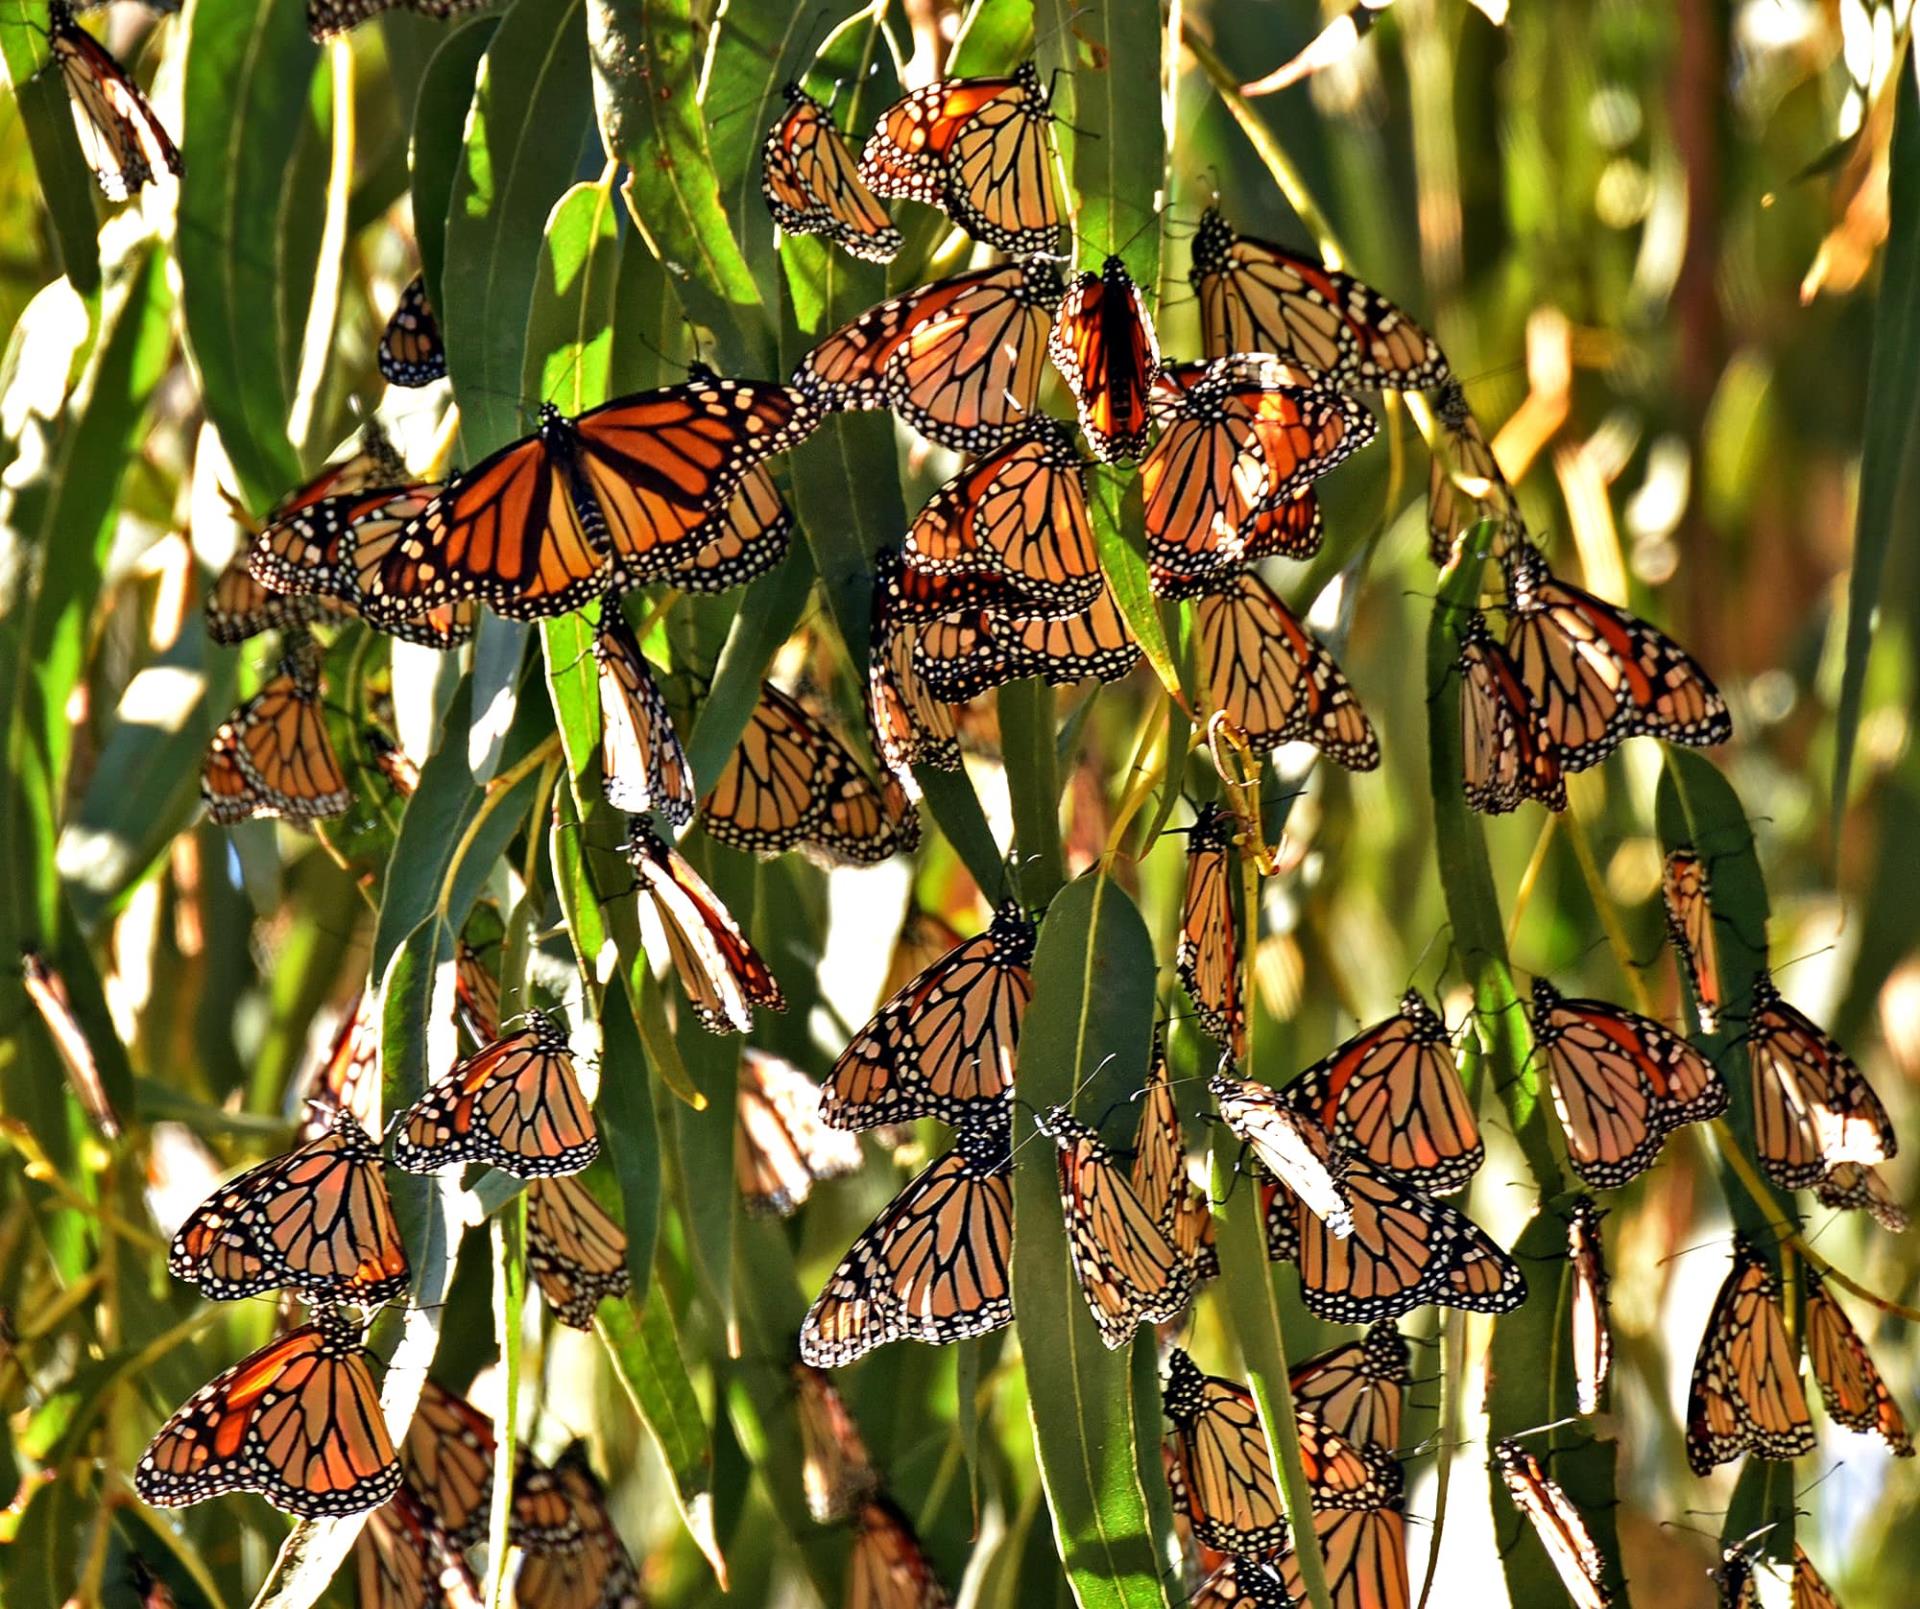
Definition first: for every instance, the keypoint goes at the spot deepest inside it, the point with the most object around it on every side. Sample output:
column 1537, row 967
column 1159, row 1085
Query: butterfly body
column 1104, row 345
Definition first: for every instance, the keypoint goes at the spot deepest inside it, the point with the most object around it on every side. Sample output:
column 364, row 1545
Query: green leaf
column 66, row 182
column 625, row 1106
column 248, row 71
column 1247, row 1284
column 956, row 809
column 573, row 685
column 524, row 137
column 507, row 1231
column 1084, row 1044
column 1892, row 443
column 1119, row 526
column 1033, row 780
column 570, row 323
column 768, row 613
column 645, row 1352
column 638, row 48
column 1107, row 119
column 439, row 131
column 1466, row 878
column 1522, row 1395
column 758, row 47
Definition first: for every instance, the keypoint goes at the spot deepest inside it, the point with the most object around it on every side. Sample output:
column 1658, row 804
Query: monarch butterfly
column 1259, row 297
column 395, row 1560
column 1464, row 482
column 515, row 1105
column 594, row 1569
column 642, row 765
column 317, row 1220
column 575, row 1249
column 325, row 17
column 327, row 547
column 298, row 1422
column 1159, row 1151
column 1276, row 681
column 781, row 1144
column 272, row 755
column 542, row 1517
column 347, row 1078
column 1621, row 1083
column 1849, row 1381
column 1019, row 513
column 813, row 186
column 476, row 991
column 723, row 974
column 1598, row 674
column 1506, row 754
column 239, row 607
column 791, row 783
column 391, row 761
column 1192, row 1231
column 836, row 1471
column 924, row 937
column 744, row 540
column 1130, row 1272
column 1687, row 897
column 447, row 1456
column 1561, row 1527
column 1226, row 1470
column 48, row 992
column 944, row 1046
column 586, row 505
column 1745, row 1395
column 1365, row 1551
column 908, row 725
column 1592, row 1312
column 1852, row 1187
column 933, row 1266
column 1393, row 1093
column 1810, row 1591
column 1104, row 346
column 121, row 139
column 1244, row 1584
column 1238, row 436
column 1739, row 1584
column 410, row 352
column 976, row 148
column 1289, row 529
column 1406, row 1249
column 1813, row 1109
column 1288, row 1145
column 889, row 1569
column 1357, row 1390
column 959, row 360
column 964, row 655
column 1207, row 958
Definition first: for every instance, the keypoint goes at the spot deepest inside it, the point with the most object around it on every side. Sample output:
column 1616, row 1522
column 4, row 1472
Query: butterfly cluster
column 619, row 510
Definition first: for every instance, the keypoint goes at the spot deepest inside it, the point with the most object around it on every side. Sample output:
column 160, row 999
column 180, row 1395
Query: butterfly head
column 1212, row 242
column 1386, row 1351
column 1184, row 1397
column 1426, row 1021
column 338, row 1328
column 1545, row 998
column 1013, row 933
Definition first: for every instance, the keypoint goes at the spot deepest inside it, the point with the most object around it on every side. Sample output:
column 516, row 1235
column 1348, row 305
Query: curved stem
column 502, row 785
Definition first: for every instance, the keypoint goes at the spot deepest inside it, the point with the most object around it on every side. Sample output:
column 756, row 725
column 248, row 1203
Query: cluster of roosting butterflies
column 997, row 578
